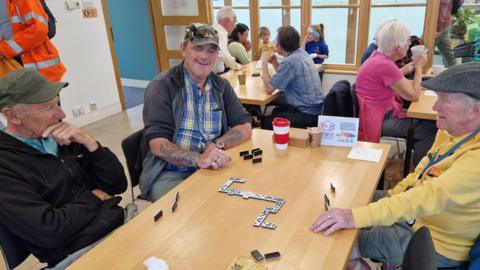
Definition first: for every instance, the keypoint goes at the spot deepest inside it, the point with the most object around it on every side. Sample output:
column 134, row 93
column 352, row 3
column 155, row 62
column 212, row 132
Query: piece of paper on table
column 363, row 153
column 154, row 263
column 430, row 93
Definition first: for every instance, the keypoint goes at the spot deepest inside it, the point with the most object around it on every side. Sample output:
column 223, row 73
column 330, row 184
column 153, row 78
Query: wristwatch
column 219, row 144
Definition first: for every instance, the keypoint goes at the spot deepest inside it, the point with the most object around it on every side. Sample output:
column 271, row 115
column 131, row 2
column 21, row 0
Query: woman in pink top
column 381, row 87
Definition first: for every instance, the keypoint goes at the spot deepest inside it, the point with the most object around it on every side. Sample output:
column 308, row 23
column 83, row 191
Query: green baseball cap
column 201, row 34
column 27, row 86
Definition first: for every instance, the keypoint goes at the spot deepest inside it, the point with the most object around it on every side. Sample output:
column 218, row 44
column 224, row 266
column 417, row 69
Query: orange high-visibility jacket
column 30, row 27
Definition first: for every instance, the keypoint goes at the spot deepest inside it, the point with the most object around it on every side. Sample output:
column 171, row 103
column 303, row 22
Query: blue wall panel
column 132, row 31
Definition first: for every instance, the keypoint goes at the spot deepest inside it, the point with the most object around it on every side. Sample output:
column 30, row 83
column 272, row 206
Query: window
column 276, row 13
column 411, row 12
column 340, row 24
column 349, row 24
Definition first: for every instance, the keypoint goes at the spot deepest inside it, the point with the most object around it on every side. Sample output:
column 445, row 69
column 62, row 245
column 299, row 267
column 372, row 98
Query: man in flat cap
column 191, row 115
column 443, row 193
column 56, row 182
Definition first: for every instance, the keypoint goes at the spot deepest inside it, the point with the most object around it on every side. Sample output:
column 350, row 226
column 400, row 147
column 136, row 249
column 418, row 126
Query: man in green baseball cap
column 191, row 115
column 56, row 181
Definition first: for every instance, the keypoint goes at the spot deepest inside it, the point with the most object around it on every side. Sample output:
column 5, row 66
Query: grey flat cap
column 464, row 78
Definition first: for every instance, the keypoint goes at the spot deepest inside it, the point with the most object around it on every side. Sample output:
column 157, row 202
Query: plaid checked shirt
column 201, row 121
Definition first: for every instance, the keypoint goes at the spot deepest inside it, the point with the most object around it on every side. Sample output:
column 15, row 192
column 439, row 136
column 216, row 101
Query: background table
column 253, row 92
column 210, row 228
column 423, row 108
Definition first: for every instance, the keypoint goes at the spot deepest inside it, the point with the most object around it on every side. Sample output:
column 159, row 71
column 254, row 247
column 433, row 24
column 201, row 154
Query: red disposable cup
column 281, row 127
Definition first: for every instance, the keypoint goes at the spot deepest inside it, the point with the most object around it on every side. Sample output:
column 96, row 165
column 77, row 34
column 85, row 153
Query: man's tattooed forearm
column 178, row 156
column 233, row 136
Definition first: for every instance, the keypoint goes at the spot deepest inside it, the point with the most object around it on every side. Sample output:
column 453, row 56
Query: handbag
column 464, row 50
column 8, row 65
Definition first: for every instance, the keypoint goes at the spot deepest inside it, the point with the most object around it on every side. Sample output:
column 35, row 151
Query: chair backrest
column 135, row 150
column 338, row 101
column 353, row 93
column 420, row 253
column 12, row 248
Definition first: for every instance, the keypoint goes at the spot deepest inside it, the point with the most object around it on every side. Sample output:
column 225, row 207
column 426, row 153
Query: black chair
column 135, row 150
column 353, row 94
column 12, row 248
column 420, row 253
column 338, row 101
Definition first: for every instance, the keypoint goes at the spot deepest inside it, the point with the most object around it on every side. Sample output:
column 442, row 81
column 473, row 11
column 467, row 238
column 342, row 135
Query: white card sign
column 339, row 131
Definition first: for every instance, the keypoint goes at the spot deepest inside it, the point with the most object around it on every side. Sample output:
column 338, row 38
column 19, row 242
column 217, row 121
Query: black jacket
column 47, row 201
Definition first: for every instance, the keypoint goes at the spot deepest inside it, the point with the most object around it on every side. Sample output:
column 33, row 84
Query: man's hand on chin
column 65, row 133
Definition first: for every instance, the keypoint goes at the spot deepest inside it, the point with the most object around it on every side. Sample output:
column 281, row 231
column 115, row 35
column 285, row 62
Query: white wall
column 329, row 79
column 84, row 50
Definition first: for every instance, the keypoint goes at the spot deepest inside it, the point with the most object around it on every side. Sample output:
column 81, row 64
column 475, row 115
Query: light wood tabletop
column 210, row 228
column 423, row 108
column 253, row 92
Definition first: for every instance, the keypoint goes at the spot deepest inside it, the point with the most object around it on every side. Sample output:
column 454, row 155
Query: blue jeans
column 166, row 182
column 74, row 256
column 388, row 243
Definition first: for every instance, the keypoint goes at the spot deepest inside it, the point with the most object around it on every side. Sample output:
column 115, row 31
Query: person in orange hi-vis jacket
column 23, row 30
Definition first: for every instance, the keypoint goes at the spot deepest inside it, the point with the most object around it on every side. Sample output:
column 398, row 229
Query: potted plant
column 461, row 19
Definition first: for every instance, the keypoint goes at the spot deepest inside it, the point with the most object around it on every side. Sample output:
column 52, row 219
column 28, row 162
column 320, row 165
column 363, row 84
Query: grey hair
column 21, row 107
column 468, row 102
column 225, row 13
column 379, row 27
column 393, row 34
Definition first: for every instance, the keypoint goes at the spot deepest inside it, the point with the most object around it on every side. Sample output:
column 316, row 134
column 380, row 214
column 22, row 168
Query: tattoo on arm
column 232, row 137
column 176, row 155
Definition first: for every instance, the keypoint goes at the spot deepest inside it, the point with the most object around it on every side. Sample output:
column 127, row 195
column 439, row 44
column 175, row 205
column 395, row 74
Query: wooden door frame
column 159, row 22
column 108, row 27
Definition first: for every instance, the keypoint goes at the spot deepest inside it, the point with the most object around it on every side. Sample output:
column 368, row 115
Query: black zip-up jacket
column 47, row 201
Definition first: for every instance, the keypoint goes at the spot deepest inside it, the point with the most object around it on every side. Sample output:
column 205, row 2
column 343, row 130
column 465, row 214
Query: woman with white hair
column 380, row 87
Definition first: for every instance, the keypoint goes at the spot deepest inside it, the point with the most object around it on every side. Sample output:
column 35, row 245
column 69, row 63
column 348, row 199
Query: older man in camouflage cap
column 191, row 116
column 56, row 182
column 443, row 193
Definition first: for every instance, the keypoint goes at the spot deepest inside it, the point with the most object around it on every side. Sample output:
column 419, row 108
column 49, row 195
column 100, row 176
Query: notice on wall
column 179, row 8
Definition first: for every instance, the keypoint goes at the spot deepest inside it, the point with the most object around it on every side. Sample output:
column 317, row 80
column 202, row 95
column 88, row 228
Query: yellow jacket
column 446, row 199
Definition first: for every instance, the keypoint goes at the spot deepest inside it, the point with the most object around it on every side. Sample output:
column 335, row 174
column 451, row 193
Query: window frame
column 357, row 38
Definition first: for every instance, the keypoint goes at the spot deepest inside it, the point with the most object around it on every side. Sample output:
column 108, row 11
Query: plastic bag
column 8, row 65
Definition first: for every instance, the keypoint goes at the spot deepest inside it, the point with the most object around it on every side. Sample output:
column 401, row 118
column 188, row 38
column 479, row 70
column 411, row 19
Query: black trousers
column 297, row 118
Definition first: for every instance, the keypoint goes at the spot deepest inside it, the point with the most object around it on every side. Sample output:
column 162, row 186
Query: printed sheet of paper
column 363, row 153
column 338, row 131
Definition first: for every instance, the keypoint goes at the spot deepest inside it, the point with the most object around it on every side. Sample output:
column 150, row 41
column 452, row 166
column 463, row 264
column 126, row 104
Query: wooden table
column 210, row 228
column 253, row 92
column 423, row 108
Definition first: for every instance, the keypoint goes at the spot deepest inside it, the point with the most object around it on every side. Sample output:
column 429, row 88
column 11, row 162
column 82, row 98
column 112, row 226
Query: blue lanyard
column 434, row 159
